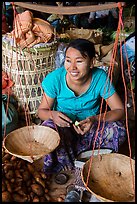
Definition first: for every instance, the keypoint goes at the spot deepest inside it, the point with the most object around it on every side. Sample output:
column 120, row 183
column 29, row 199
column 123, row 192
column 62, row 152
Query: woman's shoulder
column 57, row 72
column 98, row 71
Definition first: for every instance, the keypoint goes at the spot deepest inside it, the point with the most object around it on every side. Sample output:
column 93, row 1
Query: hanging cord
column 99, row 120
column 110, row 75
column 40, row 81
column 125, row 88
column 27, row 115
column 120, row 23
column 19, row 53
column 7, row 106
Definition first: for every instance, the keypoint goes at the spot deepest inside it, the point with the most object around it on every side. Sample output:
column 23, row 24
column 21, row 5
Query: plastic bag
column 130, row 51
column 9, row 119
column 60, row 55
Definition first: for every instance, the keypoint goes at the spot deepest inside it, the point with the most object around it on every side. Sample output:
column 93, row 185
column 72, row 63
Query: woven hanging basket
column 31, row 142
column 110, row 177
column 27, row 69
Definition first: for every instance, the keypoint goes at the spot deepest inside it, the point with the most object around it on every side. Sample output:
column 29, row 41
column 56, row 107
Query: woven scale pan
column 31, row 142
column 110, row 177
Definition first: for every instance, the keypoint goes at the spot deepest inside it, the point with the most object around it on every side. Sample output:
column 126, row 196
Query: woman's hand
column 61, row 119
column 84, row 125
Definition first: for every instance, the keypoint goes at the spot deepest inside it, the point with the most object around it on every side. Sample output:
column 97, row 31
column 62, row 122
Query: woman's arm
column 116, row 113
column 45, row 112
column 116, row 109
column 45, row 107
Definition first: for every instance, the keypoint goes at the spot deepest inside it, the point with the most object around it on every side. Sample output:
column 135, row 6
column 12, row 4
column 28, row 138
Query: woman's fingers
column 63, row 121
column 78, row 129
column 65, row 118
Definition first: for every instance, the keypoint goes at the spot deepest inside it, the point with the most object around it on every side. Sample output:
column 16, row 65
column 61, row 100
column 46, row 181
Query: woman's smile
column 74, row 73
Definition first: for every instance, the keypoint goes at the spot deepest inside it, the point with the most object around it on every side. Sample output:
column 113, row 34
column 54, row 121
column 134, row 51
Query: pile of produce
column 21, row 182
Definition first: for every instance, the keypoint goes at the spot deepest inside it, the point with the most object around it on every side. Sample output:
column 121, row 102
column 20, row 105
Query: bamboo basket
column 110, row 177
column 27, row 68
column 31, row 143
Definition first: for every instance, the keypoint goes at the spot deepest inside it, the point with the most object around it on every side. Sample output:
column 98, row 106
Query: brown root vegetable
column 37, row 189
column 6, row 197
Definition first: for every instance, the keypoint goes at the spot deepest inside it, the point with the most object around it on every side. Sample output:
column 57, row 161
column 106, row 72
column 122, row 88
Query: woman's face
column 76, row 65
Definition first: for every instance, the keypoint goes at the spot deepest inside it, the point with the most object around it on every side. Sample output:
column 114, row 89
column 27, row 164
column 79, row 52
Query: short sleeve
column 107, row 88
column 49, row 85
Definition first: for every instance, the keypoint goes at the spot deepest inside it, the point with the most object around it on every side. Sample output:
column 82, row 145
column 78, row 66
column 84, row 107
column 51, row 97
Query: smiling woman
column 74, row 92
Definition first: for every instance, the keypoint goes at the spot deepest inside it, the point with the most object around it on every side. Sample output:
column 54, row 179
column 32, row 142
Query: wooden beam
column 66, row 10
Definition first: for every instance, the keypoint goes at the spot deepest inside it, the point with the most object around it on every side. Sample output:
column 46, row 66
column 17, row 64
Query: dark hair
column 85, row 47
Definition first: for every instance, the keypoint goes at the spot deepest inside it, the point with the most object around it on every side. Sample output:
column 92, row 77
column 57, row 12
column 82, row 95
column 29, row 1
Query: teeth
column 74, row 73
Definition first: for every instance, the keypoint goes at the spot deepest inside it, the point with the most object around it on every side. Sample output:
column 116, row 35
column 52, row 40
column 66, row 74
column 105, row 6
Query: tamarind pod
column 18, row 174
column 43, row 175
column 30, row 168
column 28, row 183
column 6, row 197
column 17, row 189
column 3, row 187
column 48, row 198
column 40, row 181
column 7, row 167
column 42, row 199
column 13, row 158
column 12, row 180
column 19, row 198
column 6, row 157
column 8, row 186
column 26, row 175
column 46, row 190
column 21, row 192
column 35, row 199
column 32, row 194
column 10, row 174
column 37, row 189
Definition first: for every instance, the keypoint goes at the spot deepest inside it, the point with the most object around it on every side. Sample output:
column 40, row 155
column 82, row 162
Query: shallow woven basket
column 27, row 68
column 110, row 178
column 31, row 142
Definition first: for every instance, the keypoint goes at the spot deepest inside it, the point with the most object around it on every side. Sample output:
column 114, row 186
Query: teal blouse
column 82, row 106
